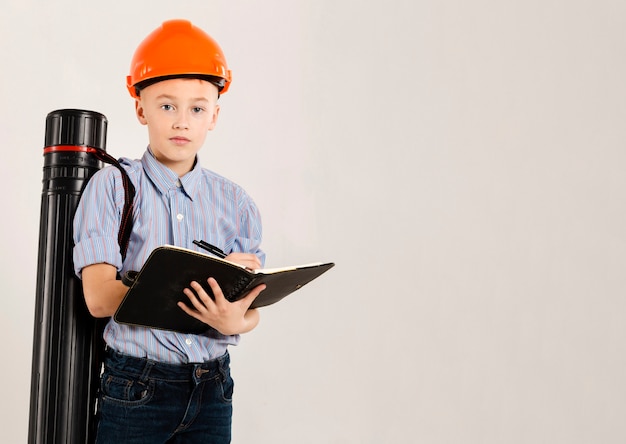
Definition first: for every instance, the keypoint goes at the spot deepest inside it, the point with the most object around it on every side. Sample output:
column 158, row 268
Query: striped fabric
column 168, row 210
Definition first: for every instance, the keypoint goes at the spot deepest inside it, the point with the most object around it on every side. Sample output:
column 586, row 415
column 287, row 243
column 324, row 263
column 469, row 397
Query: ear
column 140, row 112
column 216, row 112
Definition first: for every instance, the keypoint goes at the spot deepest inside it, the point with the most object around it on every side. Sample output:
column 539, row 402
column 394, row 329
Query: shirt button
column 179, row 217
column 188, row 341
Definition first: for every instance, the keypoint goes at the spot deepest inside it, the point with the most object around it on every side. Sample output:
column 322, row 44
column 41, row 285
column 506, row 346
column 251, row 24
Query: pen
column 210, row 248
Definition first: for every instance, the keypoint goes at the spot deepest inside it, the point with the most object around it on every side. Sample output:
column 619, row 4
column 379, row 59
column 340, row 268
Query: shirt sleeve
column 250, row 229
column 97, row 221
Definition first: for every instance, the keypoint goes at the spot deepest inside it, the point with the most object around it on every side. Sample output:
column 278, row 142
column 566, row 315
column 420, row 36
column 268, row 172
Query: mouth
column 179, row 140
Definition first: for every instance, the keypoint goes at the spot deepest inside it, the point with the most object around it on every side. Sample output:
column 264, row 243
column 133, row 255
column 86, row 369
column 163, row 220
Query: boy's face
column 178, row 113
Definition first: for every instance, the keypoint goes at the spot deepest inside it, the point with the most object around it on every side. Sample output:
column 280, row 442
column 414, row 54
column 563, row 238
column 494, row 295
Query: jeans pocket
column 227, row 386
column 126, row 391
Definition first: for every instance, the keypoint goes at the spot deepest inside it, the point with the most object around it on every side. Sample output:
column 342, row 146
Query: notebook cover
column 152, row 299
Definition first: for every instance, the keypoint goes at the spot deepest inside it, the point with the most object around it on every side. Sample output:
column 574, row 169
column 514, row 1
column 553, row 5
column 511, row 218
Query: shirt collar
column 165, row 179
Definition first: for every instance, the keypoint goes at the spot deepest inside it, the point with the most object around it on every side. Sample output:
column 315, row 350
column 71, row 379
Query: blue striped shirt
column 168, row 210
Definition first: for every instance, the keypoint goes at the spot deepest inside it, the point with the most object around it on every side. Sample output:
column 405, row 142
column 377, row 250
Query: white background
column 461, row 161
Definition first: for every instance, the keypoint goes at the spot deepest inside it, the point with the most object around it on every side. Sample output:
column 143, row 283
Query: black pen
column 210, row 248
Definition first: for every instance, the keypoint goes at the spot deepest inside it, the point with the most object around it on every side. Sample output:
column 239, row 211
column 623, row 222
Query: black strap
column 126, row 224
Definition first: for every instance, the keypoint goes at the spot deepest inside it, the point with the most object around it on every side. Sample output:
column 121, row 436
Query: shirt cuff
column 96, row 250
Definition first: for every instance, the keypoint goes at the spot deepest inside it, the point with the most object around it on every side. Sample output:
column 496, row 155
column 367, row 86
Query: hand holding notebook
column 152, row 300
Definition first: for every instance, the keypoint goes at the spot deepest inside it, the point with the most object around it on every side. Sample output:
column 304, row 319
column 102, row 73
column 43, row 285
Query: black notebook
column 152, row 299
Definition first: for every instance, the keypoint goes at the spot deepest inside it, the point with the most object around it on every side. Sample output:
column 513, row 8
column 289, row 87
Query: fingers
column 220, row 299
column 248, row 260
column 218, row 294
column 225, row 316
column 201, row 301
column 189, row 311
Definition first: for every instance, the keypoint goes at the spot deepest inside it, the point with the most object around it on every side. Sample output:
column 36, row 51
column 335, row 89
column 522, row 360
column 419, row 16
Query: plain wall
column 462, row 162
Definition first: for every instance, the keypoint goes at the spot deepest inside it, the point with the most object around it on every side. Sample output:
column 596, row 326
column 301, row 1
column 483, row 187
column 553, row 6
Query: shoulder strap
column 126, row 224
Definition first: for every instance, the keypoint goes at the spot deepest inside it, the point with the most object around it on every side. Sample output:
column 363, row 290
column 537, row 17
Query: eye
column 197, row 109
column 167, row 107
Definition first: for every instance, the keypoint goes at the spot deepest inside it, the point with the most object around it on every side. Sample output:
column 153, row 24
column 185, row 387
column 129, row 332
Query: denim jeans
column 143, row 401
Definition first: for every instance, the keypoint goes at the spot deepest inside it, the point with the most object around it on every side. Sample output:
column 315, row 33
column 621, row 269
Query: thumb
column 250, row 297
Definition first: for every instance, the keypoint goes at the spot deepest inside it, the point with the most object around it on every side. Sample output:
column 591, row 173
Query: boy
column 160, row 386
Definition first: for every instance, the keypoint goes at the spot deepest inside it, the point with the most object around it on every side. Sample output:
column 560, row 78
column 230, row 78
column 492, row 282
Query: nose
column 180, row 122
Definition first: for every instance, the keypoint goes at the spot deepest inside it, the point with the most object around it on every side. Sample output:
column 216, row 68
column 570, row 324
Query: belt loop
column 222, row 363
column 146, row 370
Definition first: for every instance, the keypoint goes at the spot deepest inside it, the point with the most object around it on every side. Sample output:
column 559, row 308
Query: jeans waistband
column 145, row 369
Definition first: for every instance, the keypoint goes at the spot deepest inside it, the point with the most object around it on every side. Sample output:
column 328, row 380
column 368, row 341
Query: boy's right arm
column 103, row 291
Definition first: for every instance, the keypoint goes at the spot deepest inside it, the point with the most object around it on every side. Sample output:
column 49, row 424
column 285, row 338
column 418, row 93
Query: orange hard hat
column 177, row 48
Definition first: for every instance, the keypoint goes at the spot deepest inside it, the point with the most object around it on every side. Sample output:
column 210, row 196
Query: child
column 160, row 386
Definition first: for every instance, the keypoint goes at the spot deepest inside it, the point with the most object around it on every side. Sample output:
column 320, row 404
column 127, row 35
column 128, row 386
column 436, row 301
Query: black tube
column 68, row 347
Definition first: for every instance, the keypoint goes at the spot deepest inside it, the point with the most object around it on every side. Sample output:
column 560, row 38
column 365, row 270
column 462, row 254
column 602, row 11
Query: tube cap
column 76, row 127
